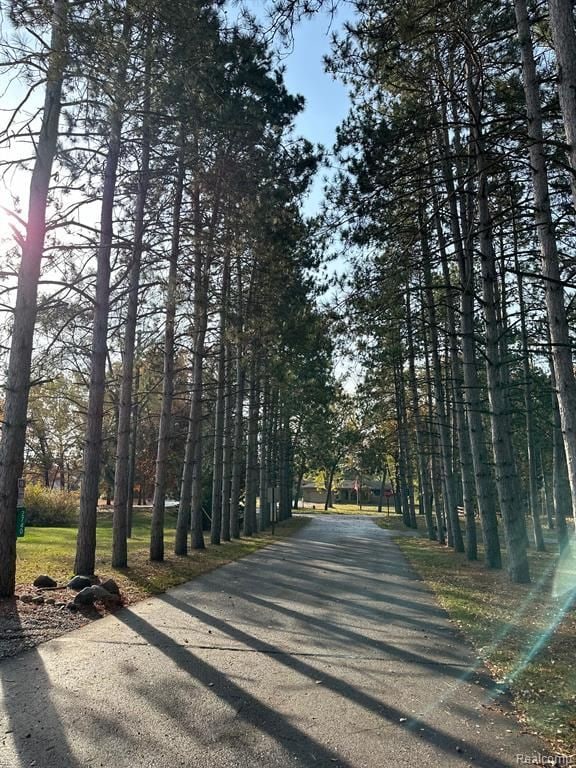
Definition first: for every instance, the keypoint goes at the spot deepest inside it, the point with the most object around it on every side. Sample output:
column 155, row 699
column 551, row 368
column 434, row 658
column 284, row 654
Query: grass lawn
column 340, row 509
column 51, row 551
column 526, row 634
column 394, row 522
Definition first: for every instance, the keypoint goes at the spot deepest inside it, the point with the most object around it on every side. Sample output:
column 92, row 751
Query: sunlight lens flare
column 564, row 591
column 11, row 225
column 565, row 576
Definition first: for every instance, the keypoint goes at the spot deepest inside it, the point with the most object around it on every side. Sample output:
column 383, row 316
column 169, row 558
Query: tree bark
column 433, row 444
column 285, row 474
column 451, row 507
column 239, row 451
column 135, row 425
column 461, row 431
column 164, row 427
column 189, row 510
column 227, row 446
column 86, row 540
column 564, row 37
column 472, row 388
column 299, row 481
column 565, row 40
column 250, row 521
column 546, row 495
column 122, row 469
column 534, row 501
column 561, row 485
column 397, row 487
column 405, row 451
column 264, row 481
column 507, row 483
column 328, row 502
column 217, row 470
column 272, row 457
column 420, row 448
column 12, row 443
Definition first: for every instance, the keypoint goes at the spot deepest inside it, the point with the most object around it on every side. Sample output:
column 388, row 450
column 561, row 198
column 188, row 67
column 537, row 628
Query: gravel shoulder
column 24, row 625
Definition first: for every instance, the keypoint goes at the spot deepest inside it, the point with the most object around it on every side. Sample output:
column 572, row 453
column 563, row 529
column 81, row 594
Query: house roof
column 347, row 484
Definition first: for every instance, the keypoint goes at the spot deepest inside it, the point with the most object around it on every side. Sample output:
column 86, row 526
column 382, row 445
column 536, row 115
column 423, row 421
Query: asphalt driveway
column 322, row 650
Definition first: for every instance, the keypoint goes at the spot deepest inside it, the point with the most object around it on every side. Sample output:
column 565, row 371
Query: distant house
column 311, row 494
column 369, row 492
column 346, row 492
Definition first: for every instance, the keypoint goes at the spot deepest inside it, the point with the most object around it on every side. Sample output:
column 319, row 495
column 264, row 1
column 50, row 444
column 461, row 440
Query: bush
column 45, row 507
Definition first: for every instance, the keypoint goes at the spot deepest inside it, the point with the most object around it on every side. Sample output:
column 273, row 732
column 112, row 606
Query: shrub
column 46, row 507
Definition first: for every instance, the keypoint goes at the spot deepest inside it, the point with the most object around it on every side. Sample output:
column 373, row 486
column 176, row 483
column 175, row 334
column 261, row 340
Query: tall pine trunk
column 423, row 473
column 453, row 521
column 507, row 482
column 560, row 483
column 546, row 494
column 433, row 441
column 122, row 469
column 86, row 540
column 532, row 454
column 472, row 388
column 228, row 445
column 14, row 423
column 403, row 494
column 189, row 510
column 564, row 37
column 160, row 478
column 238, row 449
column 285, row 464
column 565, row 40
column 461, row 432
column 407, row 450
column 218, row 461
column 264, row 481
column 135, row 426
column 250, row 522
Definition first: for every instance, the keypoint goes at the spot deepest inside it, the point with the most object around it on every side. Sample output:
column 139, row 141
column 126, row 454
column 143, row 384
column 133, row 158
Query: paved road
column 322, row 650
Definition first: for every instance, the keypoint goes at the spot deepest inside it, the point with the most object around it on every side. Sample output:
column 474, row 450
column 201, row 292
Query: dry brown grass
column 526, row 634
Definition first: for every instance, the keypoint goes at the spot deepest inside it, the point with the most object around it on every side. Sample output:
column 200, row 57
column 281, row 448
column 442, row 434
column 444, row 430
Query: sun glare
column 14, row 191
column 9, row 220
column 5, row 230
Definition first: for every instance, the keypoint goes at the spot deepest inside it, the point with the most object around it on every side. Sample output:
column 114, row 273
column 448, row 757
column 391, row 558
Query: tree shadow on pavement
column 392, row 715
column 37, row 734
column 326, row 627
column 297, row 743
column 384, row 613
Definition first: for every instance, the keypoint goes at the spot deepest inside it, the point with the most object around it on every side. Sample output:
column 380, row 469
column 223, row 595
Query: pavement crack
column 278, row 652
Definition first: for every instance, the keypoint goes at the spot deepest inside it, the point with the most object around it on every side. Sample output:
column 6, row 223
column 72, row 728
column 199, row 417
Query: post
column 20, row 509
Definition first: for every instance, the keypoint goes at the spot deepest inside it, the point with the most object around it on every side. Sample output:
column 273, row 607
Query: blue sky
column 327, row 104
column 326, row 99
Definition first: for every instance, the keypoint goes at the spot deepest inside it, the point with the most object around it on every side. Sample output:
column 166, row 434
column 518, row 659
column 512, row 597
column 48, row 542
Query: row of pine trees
column 164, row 212
column 457, row 183
column 164, row 223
